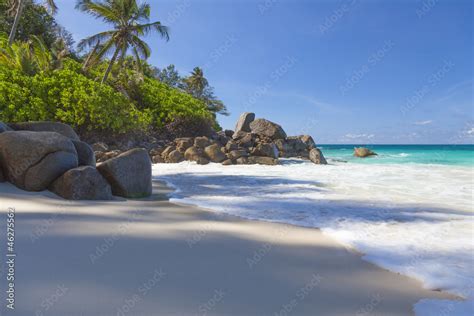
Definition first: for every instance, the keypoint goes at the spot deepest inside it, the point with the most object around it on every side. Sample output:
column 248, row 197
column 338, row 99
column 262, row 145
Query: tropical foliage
column 42, row 78
column 34, row 20
column 130, row 21
column 16, row 8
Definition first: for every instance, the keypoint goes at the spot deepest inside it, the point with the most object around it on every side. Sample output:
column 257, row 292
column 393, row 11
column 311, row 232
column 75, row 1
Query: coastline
column 183, row 260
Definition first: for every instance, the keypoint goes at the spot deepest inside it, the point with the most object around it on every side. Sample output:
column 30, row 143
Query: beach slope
column 152, row 257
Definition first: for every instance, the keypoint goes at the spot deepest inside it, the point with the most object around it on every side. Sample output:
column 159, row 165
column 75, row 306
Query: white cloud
column 470, row 131
column 359, row 136
column 423, row 122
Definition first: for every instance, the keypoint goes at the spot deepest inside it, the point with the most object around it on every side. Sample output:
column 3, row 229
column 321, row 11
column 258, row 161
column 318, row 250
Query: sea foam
column 413, row 219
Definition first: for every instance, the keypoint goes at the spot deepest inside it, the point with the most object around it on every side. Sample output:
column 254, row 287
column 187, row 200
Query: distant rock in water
column 363, row 152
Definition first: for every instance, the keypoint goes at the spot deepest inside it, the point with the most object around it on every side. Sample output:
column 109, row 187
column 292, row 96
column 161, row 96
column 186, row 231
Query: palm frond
column 98, row 10
column 91, row 41
column 144, row 29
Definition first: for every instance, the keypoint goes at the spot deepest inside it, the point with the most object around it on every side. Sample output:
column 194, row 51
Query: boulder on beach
column 4, row 127
column 231, row 145
column 267, row 128
column 236, row 154
column 175, row 157
column 243, row 124
column 227, row 162
column 244, row 139
column 317, row 157
column 202, row 161
column 292, row 146
column 193, row 153
column 45, row 126
column 266, row 150
column 85, row 153
column 33, row 160
column 129, row 174
column 157, row 159
column 167, row 151
column 308, row 141
column 262, row 160
column 184, row 143
column 82, row 183
column 363, row 152
column 201, row 142
column 214, row 153
column 242, row 161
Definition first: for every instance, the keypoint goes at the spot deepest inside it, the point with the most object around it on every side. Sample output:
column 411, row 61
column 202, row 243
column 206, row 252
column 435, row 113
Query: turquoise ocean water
column 460, row 155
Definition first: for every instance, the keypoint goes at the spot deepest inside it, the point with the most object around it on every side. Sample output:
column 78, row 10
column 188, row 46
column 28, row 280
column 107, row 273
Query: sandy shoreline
column 152, row 257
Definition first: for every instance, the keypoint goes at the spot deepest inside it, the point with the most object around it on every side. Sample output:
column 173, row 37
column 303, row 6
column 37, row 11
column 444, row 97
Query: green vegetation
column 42, row 78
column 125, row 16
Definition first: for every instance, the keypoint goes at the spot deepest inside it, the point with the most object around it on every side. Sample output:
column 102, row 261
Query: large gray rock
column 167, row 151
column 245, row 139
column 41, row 175
column 316, row 156
column 82, row 183
column 33, row 160
column 308, row 140
column 175, row 157
column 292, row 146
column 193, row 153
column 214, row 153
column 267, row 128
column 236, row 154
column 85, row 153
column 2, row 177
column 243, row 124
column 57, row 127
column 201, row 142
column 4, row 127
column 184, row 143
column 266, row 150
column 129, row 174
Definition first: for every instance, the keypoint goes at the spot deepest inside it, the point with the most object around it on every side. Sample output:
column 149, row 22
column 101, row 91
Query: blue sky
column 354, row 71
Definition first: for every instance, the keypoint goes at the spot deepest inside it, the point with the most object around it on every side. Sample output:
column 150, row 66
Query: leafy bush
column 68, row 96
column 165, row 104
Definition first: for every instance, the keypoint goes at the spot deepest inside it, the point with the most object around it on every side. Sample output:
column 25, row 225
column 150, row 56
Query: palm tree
column 130, row 20
column 198, row 86
column 17, row 6
column 196, row 83
column 29, row 57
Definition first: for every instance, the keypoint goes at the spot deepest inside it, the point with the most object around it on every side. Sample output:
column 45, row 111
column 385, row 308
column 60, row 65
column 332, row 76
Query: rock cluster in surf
column 254, row 141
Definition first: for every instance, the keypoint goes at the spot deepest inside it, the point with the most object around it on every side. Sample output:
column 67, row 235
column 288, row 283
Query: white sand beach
column 152, row 257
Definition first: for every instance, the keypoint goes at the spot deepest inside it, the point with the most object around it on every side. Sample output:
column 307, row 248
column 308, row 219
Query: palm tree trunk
column 89, row 57
column 112, row 61
column 19, row 11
